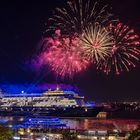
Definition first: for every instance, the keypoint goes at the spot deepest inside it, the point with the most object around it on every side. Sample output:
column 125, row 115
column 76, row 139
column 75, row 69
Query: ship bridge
column 54, row 92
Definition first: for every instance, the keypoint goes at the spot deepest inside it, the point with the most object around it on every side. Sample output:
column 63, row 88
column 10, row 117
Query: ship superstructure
column 50, row 98
column 50, row 103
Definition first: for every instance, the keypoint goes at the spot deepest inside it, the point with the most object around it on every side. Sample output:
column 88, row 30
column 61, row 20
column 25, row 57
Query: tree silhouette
column 135, row 135
column 5, row 133
column 67, row 135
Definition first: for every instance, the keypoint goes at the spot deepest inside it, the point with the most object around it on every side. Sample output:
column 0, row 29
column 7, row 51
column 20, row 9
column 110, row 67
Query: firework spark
column 65, row 58
column 77, row 15
column 97, row 43
column 125, row 52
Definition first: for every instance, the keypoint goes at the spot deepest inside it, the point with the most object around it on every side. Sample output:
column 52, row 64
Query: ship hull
column 60, row 112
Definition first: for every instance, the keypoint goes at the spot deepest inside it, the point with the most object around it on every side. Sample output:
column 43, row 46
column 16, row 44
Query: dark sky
column 21, row 27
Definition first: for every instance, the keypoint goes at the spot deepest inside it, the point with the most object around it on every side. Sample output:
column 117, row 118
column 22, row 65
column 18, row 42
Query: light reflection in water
column 94, row 124
column 89, row 123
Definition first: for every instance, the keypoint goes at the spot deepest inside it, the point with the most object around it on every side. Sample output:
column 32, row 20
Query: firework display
column 84, row 35
column 65, row 57
column 97, row 43
column 125, row 52
column 77, row 15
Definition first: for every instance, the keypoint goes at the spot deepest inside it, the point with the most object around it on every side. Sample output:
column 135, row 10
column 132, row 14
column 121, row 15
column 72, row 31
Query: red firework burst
column 64, row 57
column 125, row 52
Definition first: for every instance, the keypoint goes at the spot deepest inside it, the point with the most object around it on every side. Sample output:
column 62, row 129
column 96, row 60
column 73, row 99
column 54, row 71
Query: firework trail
column 125, row 52
column 77, row 15
column 97, row 43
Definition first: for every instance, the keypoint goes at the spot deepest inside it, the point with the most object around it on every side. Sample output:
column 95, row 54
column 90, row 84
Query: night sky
column 21, row 28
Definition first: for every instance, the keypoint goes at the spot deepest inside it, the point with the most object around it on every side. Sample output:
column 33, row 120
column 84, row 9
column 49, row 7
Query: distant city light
column 16, row 138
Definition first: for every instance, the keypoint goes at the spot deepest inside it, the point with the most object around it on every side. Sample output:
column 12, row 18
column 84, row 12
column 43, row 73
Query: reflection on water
column 88, row 123
column 94, row 124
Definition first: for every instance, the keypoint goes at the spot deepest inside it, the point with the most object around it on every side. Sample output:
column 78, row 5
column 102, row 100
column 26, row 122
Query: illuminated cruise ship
column 52, row 102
